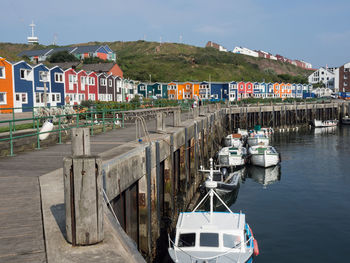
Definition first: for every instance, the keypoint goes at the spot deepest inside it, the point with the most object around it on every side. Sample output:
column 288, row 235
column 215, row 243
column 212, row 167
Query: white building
column 324, row 76
column 245, row 51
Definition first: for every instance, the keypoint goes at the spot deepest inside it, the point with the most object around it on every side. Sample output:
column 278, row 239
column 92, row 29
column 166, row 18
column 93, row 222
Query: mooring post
column 160, row 121
column 195, row 112
column 177, row 118
column 83, row 192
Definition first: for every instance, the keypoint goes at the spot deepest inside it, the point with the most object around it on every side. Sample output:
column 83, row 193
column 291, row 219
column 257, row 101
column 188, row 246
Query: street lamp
column 44, row 78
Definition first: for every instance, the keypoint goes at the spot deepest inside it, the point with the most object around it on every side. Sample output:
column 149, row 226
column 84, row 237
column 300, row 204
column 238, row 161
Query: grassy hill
column 171, row 61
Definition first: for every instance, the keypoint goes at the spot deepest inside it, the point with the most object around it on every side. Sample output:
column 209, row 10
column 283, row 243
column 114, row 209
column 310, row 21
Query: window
column 345, row 83
column 209, row 240
column 71, row 78
column 3, row 100
column 103, row 82
column 58, row 97
column 345, row 77
column 59, row 77
column 22, row 73
column 2, row 72
column 187, row 240
column 53, row 97
column 21, row 97
column 42, row 76
column 91, row 96
column 142, row 87
column 39, row 97
column 110, row 82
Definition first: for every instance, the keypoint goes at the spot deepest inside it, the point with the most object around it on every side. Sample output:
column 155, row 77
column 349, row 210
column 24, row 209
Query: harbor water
column 300, row 211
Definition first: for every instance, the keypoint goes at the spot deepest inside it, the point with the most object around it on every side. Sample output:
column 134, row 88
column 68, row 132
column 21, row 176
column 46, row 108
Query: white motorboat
column 232, row 156
column 328, row 123
column 233, row 140
column 210, row 236
column 264, row 156
column 345, row 120
column 243, row 133
column 258, row 139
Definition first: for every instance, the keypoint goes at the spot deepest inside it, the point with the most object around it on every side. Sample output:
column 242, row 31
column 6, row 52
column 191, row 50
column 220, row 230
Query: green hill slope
column 171, row 61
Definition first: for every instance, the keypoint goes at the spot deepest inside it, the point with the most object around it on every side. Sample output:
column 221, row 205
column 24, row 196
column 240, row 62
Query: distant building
column 245, row 51
column 32, row 39
column 323, row 75
column 216, row 46
column 80, row 52
column 344, row 78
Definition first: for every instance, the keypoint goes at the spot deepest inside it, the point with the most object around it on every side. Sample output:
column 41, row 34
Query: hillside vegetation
column 170, row 61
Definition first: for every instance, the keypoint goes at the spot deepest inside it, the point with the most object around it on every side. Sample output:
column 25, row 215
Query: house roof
column 86, row 49
column 33, row 53
column 100, row 67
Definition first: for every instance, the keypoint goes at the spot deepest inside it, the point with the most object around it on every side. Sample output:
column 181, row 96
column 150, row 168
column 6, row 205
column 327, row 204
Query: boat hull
column 345, row 121
column 264, row 160
column 253, row 141
column 320, row 124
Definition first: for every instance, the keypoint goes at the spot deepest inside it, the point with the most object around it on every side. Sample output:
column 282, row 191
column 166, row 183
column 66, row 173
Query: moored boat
column 232, row 156
column 210, row 236
column 328, row 123
column 258, row 139
column 264, row 156
column 345, row 120
column 233, row 140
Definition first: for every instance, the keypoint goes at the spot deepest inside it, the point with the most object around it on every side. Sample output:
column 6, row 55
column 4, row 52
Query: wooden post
column 83, row 192
column 160, row 122
column 177, row 118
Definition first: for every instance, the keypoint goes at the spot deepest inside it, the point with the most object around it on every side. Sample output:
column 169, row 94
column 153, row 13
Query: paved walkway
column 21, row 225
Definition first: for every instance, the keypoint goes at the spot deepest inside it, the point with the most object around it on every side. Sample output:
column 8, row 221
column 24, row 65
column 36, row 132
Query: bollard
column 160, row 121
column 195, row 112
column 177, row 118
column 83, row 192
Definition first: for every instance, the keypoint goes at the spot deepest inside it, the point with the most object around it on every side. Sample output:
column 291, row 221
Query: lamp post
column 44, row 77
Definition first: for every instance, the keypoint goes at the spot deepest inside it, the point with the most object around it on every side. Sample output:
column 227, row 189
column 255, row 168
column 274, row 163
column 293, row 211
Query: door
column 18, row 102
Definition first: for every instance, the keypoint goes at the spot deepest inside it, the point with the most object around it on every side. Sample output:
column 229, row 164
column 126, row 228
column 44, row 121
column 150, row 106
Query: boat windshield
column 187, row 240
column 209, row 240
column 231, row 241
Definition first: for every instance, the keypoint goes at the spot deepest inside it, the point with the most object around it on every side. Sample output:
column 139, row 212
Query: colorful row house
column 23, row 86
column 237, row 90
column 147, row 90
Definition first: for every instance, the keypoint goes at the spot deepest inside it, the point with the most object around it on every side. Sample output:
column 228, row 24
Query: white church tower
column 32, row 39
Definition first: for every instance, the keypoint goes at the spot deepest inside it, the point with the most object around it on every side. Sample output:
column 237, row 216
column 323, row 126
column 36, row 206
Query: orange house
column 195, row 89
column 185, row 90
column 172, row 91
column 277, row 90
column 6, row 86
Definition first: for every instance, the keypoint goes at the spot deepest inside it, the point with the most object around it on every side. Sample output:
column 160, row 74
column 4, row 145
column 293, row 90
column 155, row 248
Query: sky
column 314, row 31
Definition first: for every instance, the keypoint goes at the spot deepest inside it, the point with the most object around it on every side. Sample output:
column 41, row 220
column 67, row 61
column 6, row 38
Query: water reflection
column 325, row 130
column 264, row 176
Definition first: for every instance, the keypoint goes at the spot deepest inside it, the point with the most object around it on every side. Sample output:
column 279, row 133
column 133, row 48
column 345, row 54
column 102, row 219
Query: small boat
column 233, row 140
column 232, row 156
column 264, row 156
column 345, row 120
column 210, row 236
column 243, row 133
column 265, row 176
column 258, row 139
column 329, row 123
column 226, row 182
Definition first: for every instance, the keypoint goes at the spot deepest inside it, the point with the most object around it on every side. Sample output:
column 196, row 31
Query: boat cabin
column 208, row 234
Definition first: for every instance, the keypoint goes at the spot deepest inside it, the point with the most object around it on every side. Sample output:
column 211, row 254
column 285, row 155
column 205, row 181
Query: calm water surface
column 302, row 212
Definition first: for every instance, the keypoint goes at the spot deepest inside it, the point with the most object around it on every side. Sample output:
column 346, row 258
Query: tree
column 62, row 56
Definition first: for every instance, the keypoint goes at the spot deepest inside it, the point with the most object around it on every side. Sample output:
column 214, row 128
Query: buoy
column 256, row 248
column 255, row 242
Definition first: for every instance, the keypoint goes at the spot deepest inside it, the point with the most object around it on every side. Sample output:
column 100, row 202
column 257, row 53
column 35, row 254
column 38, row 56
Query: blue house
column 41, row 79
column 256, row 90
column 23, row 86
column 57, row 86
column 164, row 90
column 232, row 91
column 264, row 89
column 269, row 90
column 219, row 91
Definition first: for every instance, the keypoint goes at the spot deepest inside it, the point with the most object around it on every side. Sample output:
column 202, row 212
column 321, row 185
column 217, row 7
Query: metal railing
column 62, row 123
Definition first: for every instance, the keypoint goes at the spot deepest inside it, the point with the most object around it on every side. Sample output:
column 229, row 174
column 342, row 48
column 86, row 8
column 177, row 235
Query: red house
column 71, row 86
column 249, row 88
column 93, row 88
column 83, row 90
